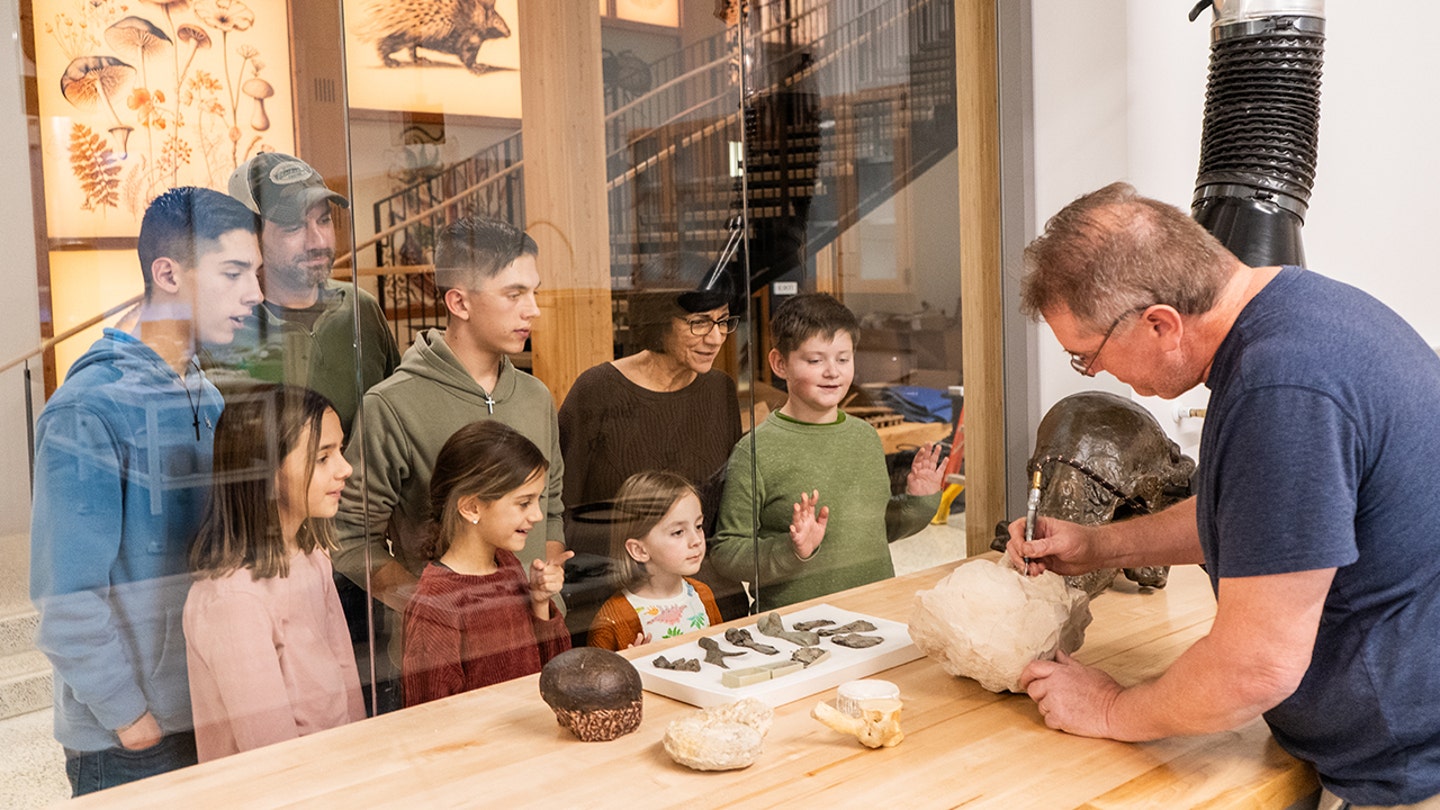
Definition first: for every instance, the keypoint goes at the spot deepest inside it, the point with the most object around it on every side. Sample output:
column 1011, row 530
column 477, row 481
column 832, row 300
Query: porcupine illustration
column 456, row 27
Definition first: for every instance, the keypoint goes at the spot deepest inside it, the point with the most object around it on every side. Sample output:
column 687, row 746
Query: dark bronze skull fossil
column 1104, row 458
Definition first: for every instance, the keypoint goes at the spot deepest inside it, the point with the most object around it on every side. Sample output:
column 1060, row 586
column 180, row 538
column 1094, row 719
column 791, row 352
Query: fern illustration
column 95, row 167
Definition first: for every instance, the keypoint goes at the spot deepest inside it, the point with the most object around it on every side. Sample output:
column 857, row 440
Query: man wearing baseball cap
column 304, row 332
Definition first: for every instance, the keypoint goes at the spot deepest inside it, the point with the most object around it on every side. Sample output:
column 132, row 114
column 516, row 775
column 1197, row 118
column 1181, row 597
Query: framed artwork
column 453, row 57
column 138, row 96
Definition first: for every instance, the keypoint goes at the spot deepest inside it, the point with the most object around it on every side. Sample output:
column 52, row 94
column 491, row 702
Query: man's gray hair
column 1113, row 251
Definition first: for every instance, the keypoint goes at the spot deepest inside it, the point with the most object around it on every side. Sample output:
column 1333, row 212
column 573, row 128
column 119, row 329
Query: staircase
column 843, row 114
column 32, row 772
column 25, row 675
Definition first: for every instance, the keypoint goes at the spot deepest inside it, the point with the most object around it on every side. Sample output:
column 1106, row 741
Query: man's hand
column 927, row 471
column 141, row 734
column 1065, row 548
column 807, row 524
column 1071, row 696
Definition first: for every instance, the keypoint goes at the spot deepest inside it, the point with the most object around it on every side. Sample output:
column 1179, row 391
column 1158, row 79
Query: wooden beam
column 565, row 200
column 981, row 305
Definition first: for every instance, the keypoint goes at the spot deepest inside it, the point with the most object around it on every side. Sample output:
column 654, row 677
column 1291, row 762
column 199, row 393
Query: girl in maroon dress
column 477, row 616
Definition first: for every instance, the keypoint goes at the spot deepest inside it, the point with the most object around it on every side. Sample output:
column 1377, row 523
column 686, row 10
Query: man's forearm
column 1255, row 656
column 1170, row 537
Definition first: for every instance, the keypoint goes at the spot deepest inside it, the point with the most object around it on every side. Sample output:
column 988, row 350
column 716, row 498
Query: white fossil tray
column 704, row 688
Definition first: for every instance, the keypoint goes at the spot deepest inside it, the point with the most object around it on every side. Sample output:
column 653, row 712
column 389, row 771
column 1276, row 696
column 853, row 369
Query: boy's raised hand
column 807, row 524
column 927, row 471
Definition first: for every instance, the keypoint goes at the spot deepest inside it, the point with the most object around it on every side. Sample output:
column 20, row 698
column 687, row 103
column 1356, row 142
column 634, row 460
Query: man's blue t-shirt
column 1321, row 449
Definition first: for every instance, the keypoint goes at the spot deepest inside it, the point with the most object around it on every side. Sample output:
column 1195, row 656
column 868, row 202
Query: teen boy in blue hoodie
column 122, row 468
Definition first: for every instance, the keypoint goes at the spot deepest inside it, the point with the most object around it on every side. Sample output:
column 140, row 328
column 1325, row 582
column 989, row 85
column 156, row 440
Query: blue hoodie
column 122, row 469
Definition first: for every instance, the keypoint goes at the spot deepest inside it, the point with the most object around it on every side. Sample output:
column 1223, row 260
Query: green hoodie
column 405, row 421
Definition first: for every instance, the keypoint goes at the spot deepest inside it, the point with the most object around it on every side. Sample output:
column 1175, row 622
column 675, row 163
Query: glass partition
column 852, row 162
column 575, row 221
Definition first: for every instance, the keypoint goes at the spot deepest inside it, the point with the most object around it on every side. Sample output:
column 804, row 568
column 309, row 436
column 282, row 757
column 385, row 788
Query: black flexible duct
column 1262, row 121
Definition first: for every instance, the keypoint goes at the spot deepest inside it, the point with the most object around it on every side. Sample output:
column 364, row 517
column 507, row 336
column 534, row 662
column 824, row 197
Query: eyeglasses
column 1083, row 365
column 703, row 325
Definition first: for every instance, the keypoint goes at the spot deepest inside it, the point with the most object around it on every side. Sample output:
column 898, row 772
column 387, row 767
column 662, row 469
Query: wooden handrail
column 71, row 332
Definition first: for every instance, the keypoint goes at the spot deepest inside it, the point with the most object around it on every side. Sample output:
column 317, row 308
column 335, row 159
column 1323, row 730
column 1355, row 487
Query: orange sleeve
column 615, row 626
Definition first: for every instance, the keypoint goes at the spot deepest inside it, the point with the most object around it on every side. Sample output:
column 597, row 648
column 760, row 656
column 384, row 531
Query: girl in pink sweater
column 476, row 617
column 266, row 642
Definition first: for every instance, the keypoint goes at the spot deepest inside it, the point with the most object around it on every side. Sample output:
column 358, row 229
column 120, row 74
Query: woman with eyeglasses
column 665, row 407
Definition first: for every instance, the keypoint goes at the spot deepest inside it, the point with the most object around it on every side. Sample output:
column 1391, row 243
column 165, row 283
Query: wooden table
column 964, row 746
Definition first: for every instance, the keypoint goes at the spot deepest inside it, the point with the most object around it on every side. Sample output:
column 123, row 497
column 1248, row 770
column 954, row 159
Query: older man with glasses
column 1315, row 508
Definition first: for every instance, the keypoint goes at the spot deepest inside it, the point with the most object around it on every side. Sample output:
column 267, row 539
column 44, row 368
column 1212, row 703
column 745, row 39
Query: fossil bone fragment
column 771, row 625
column 809, row 656
column 813, row 624
column 713, row 653
column 855, row 641
column 858, row 626
column 877, row 726
column 987, row 621
column 740, row 637
column 678, row 665
column 722, row 738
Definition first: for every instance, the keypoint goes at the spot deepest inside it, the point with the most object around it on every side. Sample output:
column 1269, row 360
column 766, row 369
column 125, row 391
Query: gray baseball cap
column 280, row 187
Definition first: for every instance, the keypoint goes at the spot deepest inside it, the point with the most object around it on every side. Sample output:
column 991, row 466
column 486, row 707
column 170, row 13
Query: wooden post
column 977, row 106
column 563, row 128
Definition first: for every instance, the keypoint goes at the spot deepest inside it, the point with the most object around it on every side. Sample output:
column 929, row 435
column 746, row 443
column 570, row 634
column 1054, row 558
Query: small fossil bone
column 877, row 726
column 771, row 625
column 678, row 665
column 859, row 626
column 809, row 656
column 740, row 637
column 713, row 653
column 812, row 624
column 855, row 641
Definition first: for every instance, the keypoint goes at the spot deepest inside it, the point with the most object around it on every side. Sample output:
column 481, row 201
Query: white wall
column 20, row 328
column 1118, row 94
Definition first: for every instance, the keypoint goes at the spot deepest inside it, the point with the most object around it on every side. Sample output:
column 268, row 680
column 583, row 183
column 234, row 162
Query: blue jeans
column 90, row 771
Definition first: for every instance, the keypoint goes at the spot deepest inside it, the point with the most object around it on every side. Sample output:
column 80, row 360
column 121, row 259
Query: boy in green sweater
column 826, row 513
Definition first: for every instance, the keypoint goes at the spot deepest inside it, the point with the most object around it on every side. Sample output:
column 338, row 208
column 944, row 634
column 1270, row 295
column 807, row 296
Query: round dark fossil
column 595, row 693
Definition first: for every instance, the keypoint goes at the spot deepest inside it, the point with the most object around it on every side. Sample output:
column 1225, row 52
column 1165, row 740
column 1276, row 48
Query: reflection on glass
column 852, row 187
column 807, row 147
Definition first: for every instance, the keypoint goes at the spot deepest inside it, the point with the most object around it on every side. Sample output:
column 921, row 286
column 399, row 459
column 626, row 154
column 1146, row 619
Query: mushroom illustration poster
column 457, row 57
column 138, row 96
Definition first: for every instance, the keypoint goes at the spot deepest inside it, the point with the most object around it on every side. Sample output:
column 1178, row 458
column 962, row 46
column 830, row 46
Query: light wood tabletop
column 964, row 746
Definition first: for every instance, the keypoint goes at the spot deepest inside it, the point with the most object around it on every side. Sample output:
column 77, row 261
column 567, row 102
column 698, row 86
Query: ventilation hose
column 1259, row 142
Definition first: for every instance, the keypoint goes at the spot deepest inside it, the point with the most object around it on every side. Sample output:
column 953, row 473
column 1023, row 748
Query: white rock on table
column 722, row 738
column 986, row 621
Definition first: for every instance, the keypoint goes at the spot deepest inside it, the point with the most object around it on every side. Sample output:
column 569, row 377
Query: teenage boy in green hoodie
column 449, row 378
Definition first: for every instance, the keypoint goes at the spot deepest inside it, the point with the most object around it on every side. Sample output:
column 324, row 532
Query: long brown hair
column 261, row 425
column 643, row 500
column 486, row 460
